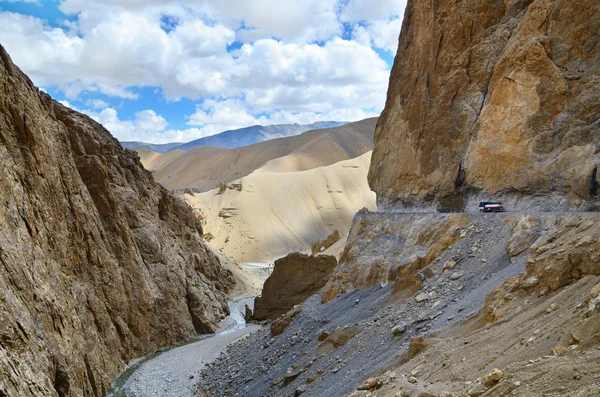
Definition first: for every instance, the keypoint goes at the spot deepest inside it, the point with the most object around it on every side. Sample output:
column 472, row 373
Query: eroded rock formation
column 385, row 248
column 294, row 278
column 98, row 264
column 492, row 99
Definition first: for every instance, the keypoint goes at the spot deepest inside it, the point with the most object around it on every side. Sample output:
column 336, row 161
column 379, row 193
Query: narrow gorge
column 353, row 260
column 100, row 264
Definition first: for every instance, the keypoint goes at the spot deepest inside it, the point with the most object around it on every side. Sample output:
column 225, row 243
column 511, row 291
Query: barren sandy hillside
column 203, row 168
column 269, row 214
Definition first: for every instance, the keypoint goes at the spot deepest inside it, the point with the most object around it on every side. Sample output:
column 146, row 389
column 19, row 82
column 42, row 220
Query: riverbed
column 173, row 372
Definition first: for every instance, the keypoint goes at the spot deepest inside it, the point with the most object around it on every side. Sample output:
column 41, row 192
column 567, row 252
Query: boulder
column 279, row 325
column 294, row 278
column 524, row 234
column 339, row 339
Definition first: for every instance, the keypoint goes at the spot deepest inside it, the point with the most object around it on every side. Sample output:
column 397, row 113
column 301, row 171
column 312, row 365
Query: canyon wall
column 98, row 264
column 492, row 100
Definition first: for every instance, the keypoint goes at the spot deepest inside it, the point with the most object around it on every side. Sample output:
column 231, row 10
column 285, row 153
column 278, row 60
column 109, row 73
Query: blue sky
column 161, row 71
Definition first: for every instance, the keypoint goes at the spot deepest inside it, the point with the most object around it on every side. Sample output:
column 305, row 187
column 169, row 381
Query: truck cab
column 488, row 206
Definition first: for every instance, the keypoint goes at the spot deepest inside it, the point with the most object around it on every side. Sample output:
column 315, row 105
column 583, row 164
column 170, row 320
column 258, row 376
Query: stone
column 493, row 377
column 530, row 282
column 320, row 246
column 93, row 252
column 398, row 330
column 456, row 275
column 248, row 316
column 291, row 375
column 371, row 384
column 339, row 339
column 524, row 234
column 294, row 278
column 421, row 297
column 477, row 390
column 412, row 379
column 450, row 265
column 300, row 390
column 279, row 325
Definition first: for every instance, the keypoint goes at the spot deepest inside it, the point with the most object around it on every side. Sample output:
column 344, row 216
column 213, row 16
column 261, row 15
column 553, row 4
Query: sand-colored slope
column 153, row 161
column 279, row 212
column 203, row 168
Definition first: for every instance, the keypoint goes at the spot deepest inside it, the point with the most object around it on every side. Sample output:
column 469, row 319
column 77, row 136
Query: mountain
column 247, row 136
column 236, row 138
column 204, row 168
column 155, row 147
column 98, row 263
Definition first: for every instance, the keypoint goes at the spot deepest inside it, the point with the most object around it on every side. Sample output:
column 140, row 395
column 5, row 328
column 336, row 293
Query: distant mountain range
column 155, row 147
column 232, row 139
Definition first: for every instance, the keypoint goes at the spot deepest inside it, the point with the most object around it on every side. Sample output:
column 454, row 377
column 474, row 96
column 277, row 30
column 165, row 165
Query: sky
column 177, row 70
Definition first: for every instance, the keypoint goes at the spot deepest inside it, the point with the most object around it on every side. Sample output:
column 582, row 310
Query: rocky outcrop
column 294, row 278
column 385, row 248
column 98, row 264
column 320, row 246
column 568, row 251
column 492, row 99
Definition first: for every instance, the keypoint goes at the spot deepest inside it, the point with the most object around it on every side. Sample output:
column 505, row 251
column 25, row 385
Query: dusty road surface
column 174, row 373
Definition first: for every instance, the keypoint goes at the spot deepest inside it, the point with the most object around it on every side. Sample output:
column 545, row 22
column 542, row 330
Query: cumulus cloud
column 290, row 63
column 96, row 104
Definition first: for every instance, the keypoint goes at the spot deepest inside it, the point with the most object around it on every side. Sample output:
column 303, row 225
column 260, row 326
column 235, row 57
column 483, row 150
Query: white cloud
column 369, row 10
column 180, row 47
column 96, row 104
column 147, row 125
column 231, row 112
column 384, row 34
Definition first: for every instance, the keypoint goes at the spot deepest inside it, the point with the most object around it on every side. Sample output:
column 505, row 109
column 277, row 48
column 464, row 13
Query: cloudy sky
column 163, row 71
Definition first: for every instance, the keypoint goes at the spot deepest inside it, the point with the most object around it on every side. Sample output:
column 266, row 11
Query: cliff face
column 497, row 99
column 98, row 264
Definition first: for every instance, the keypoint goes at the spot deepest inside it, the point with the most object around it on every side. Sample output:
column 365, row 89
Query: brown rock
column 100, row 264
column 248, row 316
column 371, row 384
column 322, row 336
column 294, row 278
column 321, row 246
column 291, row 375
column 339, row 338
column 417, row 346
column 491, row 98
column 279, row 325
column 493, row 377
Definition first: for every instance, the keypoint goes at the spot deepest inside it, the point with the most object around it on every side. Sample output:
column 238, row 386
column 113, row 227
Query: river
column 173, row 372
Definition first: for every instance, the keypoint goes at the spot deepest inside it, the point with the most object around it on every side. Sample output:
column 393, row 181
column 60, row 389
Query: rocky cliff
column 295, row 277
column 98, row 264
column 496, row 99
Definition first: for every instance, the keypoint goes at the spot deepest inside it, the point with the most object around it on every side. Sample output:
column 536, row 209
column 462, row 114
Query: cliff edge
column 496, row 99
